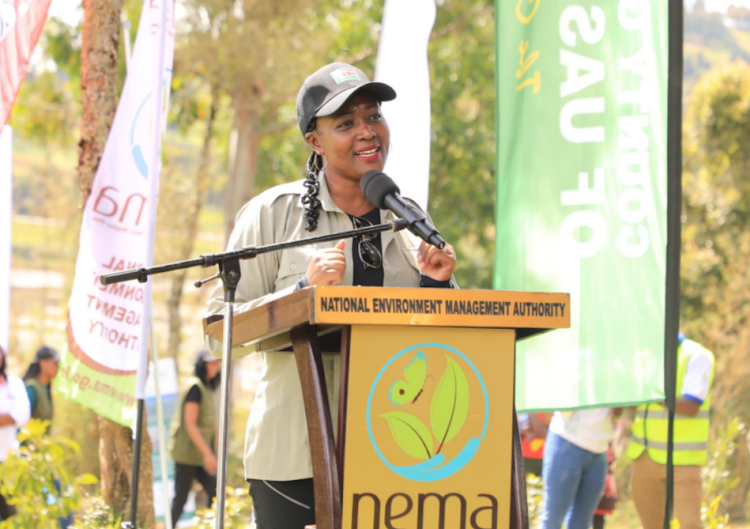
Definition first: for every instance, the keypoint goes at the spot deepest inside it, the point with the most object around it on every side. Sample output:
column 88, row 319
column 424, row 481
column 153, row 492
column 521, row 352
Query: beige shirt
column 276, row 442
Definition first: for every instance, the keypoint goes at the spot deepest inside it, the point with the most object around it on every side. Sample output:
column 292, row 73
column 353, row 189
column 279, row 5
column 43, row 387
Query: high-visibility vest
column 690, row 432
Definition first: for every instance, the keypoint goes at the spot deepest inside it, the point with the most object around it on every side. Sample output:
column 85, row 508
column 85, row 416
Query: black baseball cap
column 323, row 93
column 46, row 352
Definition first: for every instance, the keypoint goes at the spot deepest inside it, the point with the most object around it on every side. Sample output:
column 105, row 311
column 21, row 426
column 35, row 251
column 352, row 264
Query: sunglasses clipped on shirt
column 368, row 252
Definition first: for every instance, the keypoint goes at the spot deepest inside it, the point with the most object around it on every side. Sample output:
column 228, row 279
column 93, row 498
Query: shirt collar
column 324, row 195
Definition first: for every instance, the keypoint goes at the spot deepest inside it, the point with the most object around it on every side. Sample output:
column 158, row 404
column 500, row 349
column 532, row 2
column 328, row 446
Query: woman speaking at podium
column 338, row 110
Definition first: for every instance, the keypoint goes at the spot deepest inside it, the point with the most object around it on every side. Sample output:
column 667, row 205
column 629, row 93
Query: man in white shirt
column 15, row 411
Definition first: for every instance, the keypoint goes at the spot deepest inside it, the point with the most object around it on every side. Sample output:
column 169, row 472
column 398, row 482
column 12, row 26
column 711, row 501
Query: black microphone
column 380, row 190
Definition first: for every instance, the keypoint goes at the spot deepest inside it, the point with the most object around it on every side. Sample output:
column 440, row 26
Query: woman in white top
column 14, row 410
column 575, row 467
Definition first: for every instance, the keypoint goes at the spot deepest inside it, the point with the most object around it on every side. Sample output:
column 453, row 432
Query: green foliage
column 534, row 498
column 97, row 515
column 462, row 165
column 710, row 515
column 709, row 43
column 28, row 479
column 62, row 44
column 716, row 474
column 716, row 242
column 237, row 511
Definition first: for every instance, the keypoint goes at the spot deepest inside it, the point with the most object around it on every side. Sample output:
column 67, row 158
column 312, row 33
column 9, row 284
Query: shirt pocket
column 409, row 248
column 292, row 266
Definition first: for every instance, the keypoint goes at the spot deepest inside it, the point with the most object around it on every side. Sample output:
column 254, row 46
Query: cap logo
column 345, row 74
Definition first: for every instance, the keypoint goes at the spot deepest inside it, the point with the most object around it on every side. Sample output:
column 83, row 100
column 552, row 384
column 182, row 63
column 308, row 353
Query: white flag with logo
column 106, row 323
column 402, row 64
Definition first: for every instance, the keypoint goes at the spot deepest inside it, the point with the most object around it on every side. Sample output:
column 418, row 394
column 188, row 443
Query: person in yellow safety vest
column 648, row 448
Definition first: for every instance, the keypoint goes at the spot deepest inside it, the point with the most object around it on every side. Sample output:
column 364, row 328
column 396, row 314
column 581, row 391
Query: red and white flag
column 21, row 23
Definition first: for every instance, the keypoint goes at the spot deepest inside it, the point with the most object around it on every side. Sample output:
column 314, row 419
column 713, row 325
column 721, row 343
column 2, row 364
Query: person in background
column 193, row 433
column 38, row 380
column 609, row 495
column 533, row 428
column 14, row 414
column 575, row 466
column 648, row 446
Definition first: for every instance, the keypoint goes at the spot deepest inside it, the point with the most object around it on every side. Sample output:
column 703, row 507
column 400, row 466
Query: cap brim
column 381, row 91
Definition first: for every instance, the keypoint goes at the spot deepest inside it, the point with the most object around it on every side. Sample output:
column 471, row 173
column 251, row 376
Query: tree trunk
column 116, row 459
column 100, row 41
column 99, row 83
column 241, row 185
column 191, row 219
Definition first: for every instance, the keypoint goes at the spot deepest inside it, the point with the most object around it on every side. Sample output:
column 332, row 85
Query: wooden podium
column 426, row 433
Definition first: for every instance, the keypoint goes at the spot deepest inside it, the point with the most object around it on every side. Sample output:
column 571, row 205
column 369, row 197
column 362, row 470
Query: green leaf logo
column 411, row 434
column 450, row 404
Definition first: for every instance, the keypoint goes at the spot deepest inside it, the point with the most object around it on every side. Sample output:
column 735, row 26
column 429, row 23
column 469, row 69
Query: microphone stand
column 230, row 274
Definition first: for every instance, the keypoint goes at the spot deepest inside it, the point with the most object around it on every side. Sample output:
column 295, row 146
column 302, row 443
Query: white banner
column 107, row 324
column 402, row 63
column 6, row 216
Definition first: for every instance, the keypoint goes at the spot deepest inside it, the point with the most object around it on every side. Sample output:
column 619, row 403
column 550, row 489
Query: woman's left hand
column 435, row 263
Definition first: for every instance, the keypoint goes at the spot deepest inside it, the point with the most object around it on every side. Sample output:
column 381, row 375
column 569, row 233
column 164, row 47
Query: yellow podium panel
column 429, row 428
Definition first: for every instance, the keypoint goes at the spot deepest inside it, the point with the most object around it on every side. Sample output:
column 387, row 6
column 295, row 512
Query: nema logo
column 427, row 412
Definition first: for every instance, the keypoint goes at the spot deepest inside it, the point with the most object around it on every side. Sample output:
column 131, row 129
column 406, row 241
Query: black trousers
column 183, row 482
column 283, row 504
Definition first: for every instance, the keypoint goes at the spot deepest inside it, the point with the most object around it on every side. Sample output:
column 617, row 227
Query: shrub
column 29, row 474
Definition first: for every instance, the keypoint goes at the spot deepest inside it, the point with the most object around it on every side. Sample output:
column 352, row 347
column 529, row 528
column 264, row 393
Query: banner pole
column 136, row 465
column 160, row 421
column 674, row 243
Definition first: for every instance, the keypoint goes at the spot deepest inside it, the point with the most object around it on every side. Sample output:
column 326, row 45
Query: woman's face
column 212, row 369
column 355, row 139
column 49, row 367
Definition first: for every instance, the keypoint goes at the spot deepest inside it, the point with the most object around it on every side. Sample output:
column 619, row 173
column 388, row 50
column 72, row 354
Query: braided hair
column 312, row 185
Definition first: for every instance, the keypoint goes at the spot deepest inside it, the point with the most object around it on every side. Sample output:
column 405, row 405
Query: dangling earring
column 325, row 162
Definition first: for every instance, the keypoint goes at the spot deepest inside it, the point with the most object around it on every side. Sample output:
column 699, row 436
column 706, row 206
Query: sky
column 69, row 11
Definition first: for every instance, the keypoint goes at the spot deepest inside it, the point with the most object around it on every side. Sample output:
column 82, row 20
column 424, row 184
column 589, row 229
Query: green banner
column 582, row 193
column 109, row 395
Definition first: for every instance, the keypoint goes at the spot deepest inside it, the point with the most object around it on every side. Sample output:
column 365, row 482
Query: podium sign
column 425, row 424
column 429, row 429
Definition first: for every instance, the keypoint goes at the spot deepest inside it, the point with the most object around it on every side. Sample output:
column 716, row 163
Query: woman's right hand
column 210, row 463
column 327, row 266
